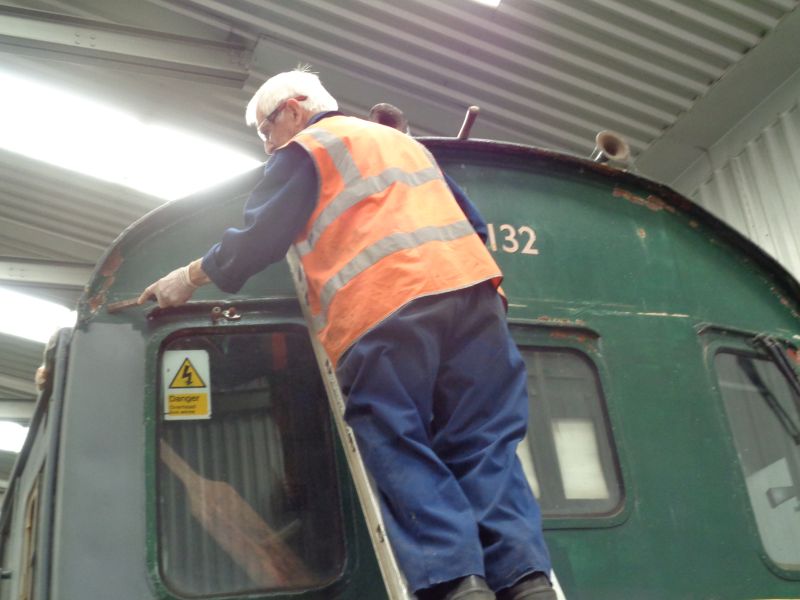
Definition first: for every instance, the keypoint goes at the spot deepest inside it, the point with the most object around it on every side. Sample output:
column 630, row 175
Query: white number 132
column 514, row 239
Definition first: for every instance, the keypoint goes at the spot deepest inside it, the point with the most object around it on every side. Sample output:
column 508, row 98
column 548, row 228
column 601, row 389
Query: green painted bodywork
column 621, row 269
column 646, row 272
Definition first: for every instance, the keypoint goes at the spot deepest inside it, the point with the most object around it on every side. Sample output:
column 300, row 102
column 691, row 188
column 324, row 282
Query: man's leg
column 480, row 416
column 388, row 377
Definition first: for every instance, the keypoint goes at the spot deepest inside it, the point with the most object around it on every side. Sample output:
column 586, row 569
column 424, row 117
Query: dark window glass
column 247, row 487
column 763, row 417
column 568, row 455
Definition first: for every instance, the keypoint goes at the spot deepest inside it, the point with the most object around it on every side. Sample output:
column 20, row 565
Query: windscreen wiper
column 775, row 406
column 776, row 350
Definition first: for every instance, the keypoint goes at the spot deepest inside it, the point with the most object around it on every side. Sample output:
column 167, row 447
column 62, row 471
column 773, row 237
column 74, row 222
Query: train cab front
column 199, row 458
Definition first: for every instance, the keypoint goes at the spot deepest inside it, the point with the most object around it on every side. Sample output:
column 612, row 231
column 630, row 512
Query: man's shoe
column 471, row 587
column 535, row 586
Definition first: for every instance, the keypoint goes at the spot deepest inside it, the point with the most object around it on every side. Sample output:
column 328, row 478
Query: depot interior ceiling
column 671, row 76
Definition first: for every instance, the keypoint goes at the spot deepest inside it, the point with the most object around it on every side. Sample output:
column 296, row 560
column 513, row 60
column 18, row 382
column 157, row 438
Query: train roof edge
column 87, row 305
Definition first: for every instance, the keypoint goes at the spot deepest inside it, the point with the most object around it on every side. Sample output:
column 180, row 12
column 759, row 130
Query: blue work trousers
column 436, row 396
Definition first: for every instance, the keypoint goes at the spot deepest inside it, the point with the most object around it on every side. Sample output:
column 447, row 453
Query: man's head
column 284, row 104
column 389, row 115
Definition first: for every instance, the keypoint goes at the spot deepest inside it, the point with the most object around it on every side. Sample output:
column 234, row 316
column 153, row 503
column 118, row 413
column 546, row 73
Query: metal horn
column 610, row 147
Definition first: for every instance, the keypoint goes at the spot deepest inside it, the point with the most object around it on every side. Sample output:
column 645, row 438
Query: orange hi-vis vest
column 386, row 230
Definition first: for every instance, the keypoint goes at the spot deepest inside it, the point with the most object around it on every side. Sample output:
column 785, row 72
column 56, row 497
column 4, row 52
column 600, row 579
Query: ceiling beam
column 20, row 270
column 17, row 384
column 16, row 410
column 357, row 90
column 73, row 39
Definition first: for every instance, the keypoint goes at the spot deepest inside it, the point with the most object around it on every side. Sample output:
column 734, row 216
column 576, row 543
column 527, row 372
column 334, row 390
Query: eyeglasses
column 264, row 127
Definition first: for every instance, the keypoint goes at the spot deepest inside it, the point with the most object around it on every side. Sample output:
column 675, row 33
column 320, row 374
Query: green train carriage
column 664, row 431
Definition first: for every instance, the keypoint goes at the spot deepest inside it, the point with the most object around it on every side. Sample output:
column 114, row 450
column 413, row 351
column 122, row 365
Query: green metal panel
column 645, row 270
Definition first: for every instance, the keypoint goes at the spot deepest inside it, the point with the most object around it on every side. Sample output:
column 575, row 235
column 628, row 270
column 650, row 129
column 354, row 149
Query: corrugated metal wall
column 758, row 190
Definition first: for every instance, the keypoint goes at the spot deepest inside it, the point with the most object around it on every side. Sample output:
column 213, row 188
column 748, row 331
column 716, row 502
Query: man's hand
column 177, row 287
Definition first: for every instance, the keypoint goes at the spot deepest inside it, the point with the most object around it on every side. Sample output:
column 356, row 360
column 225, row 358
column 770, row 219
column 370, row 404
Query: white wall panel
column 758, row 190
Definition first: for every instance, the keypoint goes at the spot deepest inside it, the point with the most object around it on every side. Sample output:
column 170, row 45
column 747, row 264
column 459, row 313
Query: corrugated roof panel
column 530, row 85
column 553, row 73
column 679, row 24
column 60, row 214
column 585, row 38
column 763, row 15
column 595, row 25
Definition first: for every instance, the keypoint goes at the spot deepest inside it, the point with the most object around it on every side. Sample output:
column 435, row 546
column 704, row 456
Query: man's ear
column 297, row 111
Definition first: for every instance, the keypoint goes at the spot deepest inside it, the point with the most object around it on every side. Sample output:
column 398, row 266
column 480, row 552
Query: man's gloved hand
column 173, row 289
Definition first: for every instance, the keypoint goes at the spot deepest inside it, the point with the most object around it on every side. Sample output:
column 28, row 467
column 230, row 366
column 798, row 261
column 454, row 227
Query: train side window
column 568, row 454
column 765, row 423
column 248, row 497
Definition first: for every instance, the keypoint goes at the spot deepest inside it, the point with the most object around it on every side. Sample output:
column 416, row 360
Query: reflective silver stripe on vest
column 337, row 149
column 380, row 250
column 365, row 188
column 356, row 188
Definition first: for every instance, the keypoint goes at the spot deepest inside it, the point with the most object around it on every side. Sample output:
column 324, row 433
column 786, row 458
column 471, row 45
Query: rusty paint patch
column 557, row 321
column 112, row 263
column 652, row 202
column 566, row 335
column 785, row 302
column 641, row 233
column 96, row 301
column 793, row 355
column 109, row 267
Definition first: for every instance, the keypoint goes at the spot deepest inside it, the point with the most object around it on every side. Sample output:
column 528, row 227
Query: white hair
column 290, row 84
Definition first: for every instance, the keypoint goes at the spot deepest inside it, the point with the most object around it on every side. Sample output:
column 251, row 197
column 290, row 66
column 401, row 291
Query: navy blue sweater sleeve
column 472, row 214
column 275, row 213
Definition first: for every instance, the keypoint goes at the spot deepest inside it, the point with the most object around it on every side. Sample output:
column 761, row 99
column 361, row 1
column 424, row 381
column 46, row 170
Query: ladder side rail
column 393, row 578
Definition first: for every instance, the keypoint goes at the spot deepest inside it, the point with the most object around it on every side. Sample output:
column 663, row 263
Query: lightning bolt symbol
column 187, row 375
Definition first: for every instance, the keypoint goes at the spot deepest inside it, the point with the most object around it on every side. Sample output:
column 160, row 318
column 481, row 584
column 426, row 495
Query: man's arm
column 274, row 215
column 177, row 287
column 468, row 208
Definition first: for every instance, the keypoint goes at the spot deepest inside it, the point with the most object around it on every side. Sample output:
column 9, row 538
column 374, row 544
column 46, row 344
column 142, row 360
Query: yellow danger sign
column 187, row 405
column 187, row 377
column 186, row 381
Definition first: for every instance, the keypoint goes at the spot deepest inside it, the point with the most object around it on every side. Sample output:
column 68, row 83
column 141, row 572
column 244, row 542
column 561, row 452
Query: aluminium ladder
column 393, row 579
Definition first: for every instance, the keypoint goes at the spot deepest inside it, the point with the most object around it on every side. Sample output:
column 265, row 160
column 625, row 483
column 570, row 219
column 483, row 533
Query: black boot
column 535, row 586
column 466, row 588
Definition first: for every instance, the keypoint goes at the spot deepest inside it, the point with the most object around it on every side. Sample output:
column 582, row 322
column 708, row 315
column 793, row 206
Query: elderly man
column 404, row 298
